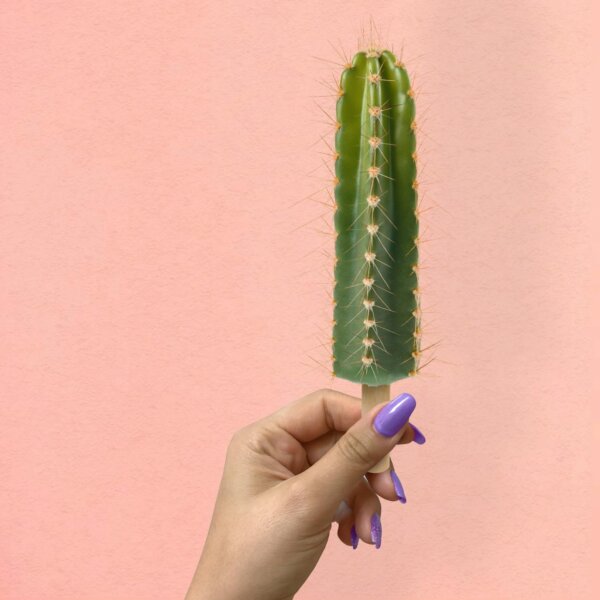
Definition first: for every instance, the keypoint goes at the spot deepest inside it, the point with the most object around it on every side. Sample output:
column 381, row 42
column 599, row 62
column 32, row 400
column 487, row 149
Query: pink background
column 165, row 280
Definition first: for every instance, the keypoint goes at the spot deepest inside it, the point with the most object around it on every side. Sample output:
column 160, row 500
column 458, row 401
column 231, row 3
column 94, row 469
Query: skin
column 282, row 489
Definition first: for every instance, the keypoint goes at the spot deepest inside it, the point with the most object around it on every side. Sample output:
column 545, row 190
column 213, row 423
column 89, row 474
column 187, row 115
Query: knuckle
column 354, row 449
column 233, row 447
column 239, row 438
column 247, row 439
column 324, row 393
column 299, row 498
column 298, row 492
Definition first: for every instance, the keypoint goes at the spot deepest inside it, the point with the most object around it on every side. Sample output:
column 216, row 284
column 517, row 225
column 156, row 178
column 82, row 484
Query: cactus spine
column 376, row 326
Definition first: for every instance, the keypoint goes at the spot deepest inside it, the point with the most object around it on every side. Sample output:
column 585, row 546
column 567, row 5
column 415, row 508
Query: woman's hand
column 287, row 477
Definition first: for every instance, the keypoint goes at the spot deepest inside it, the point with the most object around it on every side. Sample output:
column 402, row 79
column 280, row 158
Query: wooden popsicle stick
column 371, row 396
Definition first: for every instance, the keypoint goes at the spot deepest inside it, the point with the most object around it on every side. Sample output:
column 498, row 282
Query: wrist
column 207, row 585
column 198, row 591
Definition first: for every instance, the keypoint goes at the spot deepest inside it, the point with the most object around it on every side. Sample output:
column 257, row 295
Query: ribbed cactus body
column 376, row 299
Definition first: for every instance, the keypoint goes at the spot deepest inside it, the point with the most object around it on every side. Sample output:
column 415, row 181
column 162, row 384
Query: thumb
column 372, row 437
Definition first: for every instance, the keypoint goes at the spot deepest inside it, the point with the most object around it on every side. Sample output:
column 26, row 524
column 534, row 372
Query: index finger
column 318, row 413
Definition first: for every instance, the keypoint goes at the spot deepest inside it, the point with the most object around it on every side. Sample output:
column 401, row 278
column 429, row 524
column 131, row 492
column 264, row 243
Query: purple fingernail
column 394, row 415
column 398, row 487
column 418, row 437
column 376, row 530
column 354, row 537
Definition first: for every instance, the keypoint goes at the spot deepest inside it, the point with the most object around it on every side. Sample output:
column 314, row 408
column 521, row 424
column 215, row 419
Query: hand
column 287, row 477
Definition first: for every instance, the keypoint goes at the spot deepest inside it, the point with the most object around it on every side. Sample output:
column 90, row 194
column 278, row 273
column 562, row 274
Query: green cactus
column 376, row 323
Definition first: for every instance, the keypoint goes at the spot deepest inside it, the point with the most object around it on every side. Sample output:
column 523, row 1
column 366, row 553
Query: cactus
column 376, row 321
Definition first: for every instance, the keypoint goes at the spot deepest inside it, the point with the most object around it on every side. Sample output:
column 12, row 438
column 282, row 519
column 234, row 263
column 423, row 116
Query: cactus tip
column 373, row 52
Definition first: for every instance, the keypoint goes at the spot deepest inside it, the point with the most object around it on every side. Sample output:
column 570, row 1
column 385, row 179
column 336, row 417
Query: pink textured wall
column 158, row 291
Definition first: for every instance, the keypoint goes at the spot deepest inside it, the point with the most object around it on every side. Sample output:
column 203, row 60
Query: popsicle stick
column 371, row 396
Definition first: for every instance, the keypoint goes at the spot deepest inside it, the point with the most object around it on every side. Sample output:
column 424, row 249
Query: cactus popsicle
column 376, row 320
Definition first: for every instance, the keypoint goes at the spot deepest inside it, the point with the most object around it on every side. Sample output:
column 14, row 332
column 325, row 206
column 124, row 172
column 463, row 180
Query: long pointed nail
column 376, row 530
column 394, row 415
column 418, row 437
column 354, row 537
column 398, row 487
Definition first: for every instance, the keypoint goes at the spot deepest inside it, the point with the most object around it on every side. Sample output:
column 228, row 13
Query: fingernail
column 398, row 487
column 418, row 437
column 354, row 537
column 394, row 415
column 376, row 530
